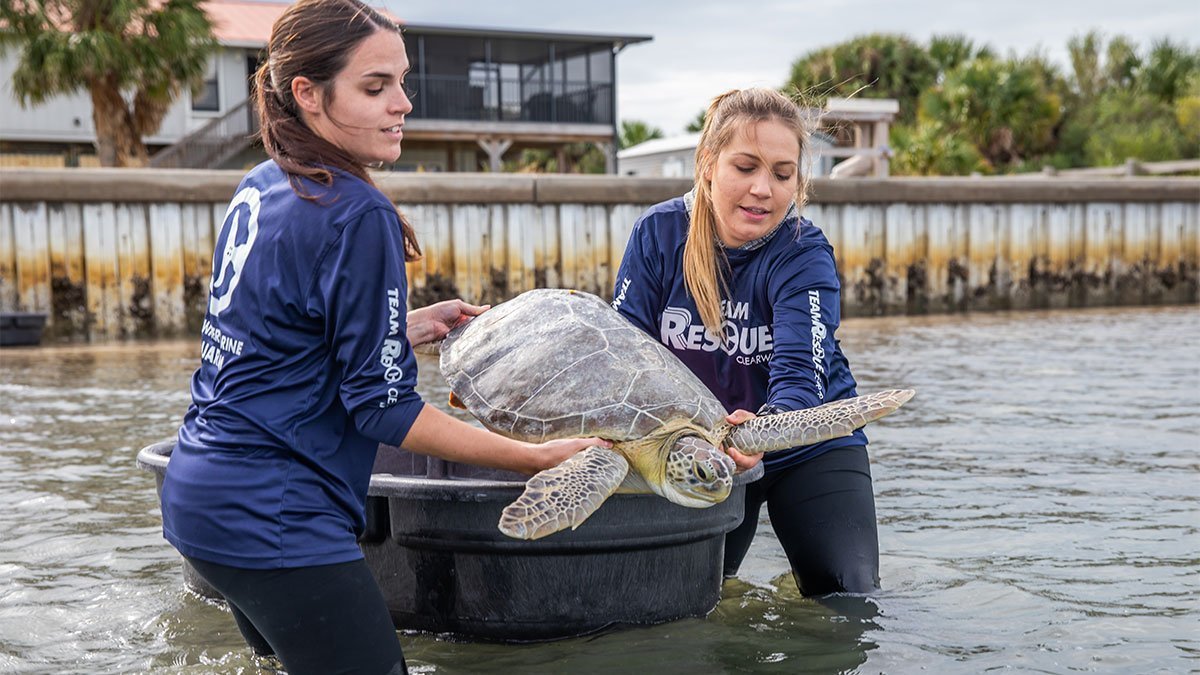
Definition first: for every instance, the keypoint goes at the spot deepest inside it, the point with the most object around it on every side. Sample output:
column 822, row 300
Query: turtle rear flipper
column 565, row 495
column 813, row 425
column 429, row 348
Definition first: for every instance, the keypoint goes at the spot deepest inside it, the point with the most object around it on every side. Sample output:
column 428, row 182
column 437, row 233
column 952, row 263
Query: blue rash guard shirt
column 305, row 369
column 777, row 344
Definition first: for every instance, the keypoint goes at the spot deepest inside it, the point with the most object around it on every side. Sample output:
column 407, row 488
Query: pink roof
column 247, row 23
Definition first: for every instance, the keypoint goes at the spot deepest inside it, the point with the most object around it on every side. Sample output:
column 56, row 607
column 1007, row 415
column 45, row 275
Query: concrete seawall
column 128, row 253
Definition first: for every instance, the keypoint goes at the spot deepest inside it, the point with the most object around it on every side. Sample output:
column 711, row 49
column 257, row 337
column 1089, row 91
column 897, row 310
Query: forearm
column 440, row 435
column 804, row 349
column 420, row 327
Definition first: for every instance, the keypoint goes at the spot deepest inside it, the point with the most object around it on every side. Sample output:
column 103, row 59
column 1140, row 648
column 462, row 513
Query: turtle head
column 697, row 473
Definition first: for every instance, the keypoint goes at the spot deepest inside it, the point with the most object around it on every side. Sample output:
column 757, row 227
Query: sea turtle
column 555, row 363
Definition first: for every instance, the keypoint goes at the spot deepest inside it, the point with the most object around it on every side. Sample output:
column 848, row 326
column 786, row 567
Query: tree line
column 965, row 109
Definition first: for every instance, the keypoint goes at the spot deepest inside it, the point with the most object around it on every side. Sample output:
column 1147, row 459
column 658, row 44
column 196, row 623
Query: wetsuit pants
column 823, row 511
column 323, row 619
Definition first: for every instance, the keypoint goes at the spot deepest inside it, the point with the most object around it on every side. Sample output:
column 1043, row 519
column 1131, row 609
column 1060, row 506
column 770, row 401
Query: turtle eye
column 704, row 473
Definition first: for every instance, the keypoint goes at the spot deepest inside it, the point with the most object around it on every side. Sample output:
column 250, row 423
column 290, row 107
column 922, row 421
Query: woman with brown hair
column 745, row 292
column 306, row 361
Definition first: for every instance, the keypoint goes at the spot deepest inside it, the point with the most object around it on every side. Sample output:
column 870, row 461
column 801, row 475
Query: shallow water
column 1039, row 508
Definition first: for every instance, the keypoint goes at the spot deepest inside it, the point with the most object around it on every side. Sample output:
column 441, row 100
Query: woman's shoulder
column 671, row 210
column 361, row 195
column 264, row 175
column 341, row 184
column 347, row 198
column 804, row 236
column 803, row 250
column 311, row 212
column 668, row 219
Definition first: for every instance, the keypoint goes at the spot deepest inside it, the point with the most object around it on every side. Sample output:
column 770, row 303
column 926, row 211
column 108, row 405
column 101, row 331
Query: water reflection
column 753, row 630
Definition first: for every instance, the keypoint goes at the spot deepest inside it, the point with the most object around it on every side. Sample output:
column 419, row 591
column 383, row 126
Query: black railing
column 212, row 144
column 461, row 98
column 436, row 97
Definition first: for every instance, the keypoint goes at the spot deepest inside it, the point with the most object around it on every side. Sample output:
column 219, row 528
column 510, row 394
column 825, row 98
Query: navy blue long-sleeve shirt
column 305, row 369
column 777, row 343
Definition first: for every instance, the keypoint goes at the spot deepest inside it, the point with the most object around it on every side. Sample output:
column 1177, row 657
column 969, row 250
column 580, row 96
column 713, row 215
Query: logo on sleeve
column 616, row 303
column 818, row 339
column 392, row 353
column 234, row 242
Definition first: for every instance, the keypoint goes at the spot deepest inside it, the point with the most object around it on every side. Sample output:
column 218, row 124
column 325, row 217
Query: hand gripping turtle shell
column 554, row 363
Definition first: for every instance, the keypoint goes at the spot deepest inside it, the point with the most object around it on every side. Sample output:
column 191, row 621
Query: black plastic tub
column 432, row 543
column 21, row 329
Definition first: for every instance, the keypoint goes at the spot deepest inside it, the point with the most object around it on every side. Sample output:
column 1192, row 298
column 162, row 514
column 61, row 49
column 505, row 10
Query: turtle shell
column 555, row 363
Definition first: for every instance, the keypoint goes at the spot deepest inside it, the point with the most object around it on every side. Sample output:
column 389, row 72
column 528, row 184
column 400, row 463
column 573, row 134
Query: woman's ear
column 307, row 95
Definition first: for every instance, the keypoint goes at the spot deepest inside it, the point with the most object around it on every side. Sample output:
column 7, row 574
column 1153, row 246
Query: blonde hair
column 704, row 264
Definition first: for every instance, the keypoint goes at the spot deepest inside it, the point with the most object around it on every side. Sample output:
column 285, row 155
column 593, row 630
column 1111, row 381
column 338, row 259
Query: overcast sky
column 701, row 47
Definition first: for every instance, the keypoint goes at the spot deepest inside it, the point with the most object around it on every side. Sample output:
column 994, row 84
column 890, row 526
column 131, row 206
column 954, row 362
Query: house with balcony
column 482, row 95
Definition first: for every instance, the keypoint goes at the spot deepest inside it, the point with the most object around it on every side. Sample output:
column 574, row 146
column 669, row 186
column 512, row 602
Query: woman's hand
column 437, row 434
column 553, row 453
column 743, row 462
column 431, row 323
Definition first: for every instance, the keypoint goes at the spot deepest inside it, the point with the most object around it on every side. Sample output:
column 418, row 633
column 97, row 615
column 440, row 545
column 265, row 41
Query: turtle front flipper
column 813, row 425
column 565, row 495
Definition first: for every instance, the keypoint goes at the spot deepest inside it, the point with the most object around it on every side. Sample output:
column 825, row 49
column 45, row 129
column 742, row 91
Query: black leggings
column 823, row 511
column 324, row 619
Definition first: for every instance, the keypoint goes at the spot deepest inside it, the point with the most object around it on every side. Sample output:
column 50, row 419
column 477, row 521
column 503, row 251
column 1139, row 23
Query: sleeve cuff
column 770, row 409
column 389, row 425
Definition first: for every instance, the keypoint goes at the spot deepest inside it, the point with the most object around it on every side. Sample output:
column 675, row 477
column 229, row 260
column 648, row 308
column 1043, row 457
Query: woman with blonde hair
column 745, row 291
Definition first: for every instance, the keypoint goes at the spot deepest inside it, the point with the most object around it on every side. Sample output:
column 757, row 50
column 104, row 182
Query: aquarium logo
column 234, row 242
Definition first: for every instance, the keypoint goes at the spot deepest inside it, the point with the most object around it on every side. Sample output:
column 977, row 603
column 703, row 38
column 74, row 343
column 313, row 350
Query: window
column 207, row 98
column 473, row 77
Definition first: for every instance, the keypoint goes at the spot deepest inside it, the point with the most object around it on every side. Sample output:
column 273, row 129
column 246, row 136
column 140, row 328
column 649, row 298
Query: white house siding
column 681, row 162
column 673, row 164
column 68, row 118
column 63, row 118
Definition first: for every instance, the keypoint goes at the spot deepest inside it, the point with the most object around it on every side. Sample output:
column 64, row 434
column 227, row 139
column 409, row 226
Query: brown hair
column 704, row 265
column 314, row 39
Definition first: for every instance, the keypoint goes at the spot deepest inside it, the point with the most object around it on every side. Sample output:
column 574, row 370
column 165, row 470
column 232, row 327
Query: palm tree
column 131, row 56
column 871, row 66
column 949, row 51
column 634, row 132
column 1167, row 68
column 1084, row 51
column 1122, row 63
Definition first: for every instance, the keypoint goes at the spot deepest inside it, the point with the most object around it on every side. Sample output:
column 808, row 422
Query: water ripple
column 1037, row 500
